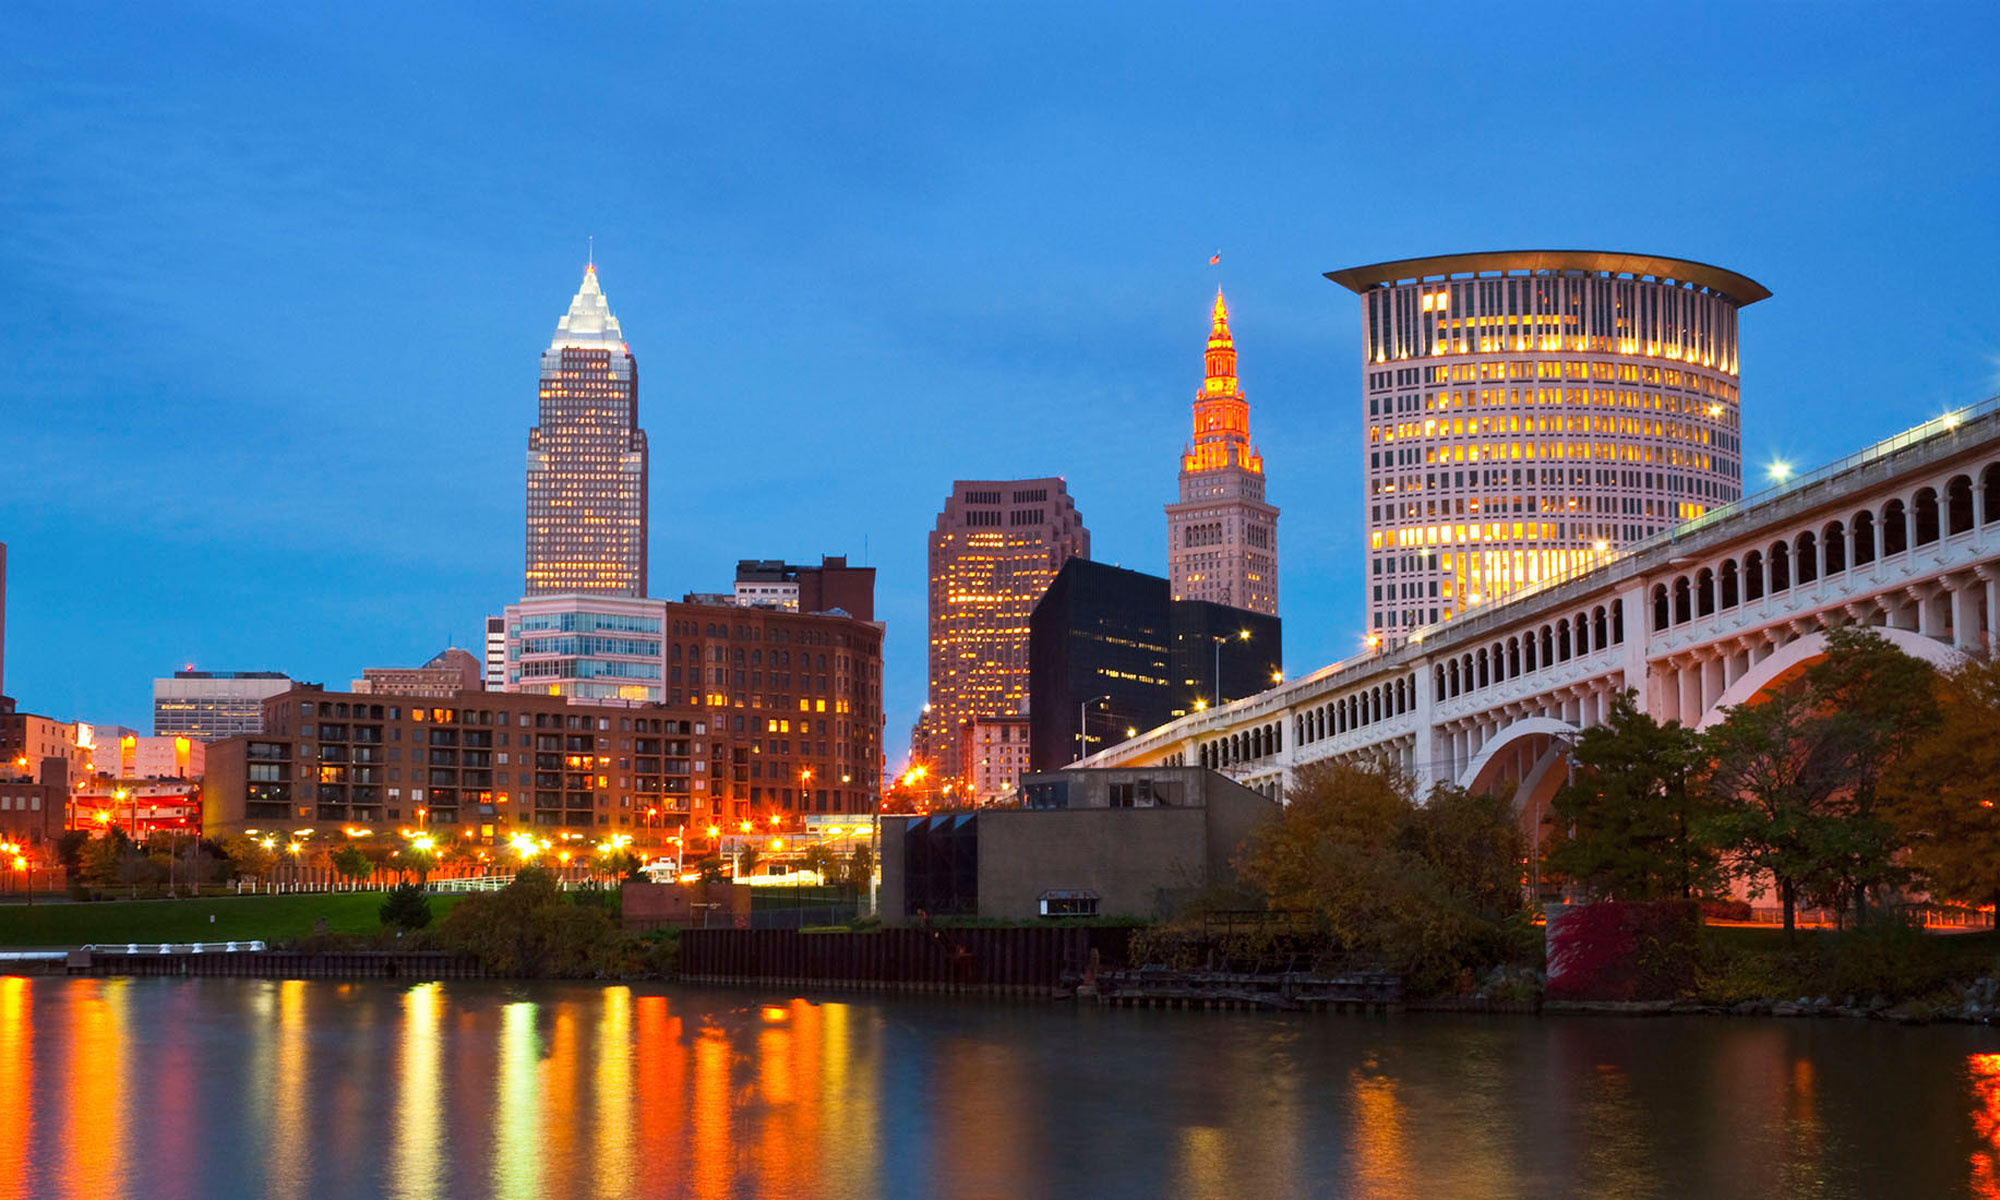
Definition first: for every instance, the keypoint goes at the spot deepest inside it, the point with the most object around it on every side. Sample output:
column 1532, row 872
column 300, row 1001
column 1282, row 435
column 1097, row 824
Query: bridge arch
column 1531, row 754
column 1489, row 767
column 1795, row 656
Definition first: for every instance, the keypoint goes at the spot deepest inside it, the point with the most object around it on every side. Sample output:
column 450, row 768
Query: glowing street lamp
column 1779, row 471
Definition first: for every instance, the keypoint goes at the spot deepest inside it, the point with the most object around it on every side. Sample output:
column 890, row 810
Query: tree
column 103, row 858
column 69, row 850
column 530, row 929
column 1424, row 889
column 823, row 861
column 408, row 907
column 1472, row 844
column 352, row 863
column 462, row 855
column 1941, row 794
column 1794, row 775
column 861, row 866
column 420, row 859
column 1636, row 826
column 249, row 856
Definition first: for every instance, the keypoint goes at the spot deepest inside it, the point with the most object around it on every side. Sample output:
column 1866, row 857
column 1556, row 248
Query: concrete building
column 207, row 705
column 995, row 753
column 587, row 460
column 137, row 806
column 1084, row 843
column 1222, row 536
column 27, row 740
column 1530, row 412
column 448, row 673
column 34, row 805
column 1111, row 654
column 117, row 752
column 995, row 549
column 829, row 587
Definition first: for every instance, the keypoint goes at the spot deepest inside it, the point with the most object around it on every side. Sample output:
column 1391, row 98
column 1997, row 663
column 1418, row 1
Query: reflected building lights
column 1381, row 1162
column 17, row 1075
column 416, row 1154
column 1983, row 1071
column 517, row 1133
column 289, row 1169
column 614, row 1159
column 94, row 1142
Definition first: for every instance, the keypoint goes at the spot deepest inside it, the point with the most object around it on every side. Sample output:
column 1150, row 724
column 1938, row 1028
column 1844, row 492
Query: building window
column 1068, row 902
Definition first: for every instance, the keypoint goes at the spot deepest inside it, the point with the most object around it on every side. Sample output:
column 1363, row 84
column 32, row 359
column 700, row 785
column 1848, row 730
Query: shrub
column 1887, row 957
column 408, row 907
column 531, row 930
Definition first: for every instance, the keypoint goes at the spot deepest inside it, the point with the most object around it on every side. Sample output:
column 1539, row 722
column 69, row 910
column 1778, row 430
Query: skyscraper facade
column 995, row 549
column 1528, row 412
column 1222, row 538
column 587, row 459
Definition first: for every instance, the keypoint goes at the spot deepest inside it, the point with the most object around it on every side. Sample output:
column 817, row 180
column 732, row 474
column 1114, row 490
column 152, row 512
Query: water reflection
column 1985, row 1072
column 95, row 1136
column 17, row 1079
column 151, row 1088
column 517, row 1126
column 416, row 1143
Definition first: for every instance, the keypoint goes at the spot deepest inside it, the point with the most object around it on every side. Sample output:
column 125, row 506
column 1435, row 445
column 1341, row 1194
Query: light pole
column 1083, row 726
column 1241, row 635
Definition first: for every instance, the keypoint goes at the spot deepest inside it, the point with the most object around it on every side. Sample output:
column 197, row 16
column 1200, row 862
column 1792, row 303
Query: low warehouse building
column 1105, row 842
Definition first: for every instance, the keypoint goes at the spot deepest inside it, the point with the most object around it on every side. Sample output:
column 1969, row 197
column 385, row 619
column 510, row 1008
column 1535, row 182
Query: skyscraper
column 1529, row 411
column 587, row 459
column 996, row 547
column 1222, row 538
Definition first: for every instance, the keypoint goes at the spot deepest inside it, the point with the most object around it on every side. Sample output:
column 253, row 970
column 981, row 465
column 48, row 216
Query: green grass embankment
column 237, row 918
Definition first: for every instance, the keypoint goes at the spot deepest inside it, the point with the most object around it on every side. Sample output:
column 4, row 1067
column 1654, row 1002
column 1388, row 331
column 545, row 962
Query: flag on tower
column 1215, row 258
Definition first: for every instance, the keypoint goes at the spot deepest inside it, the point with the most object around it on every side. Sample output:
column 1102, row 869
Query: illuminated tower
column 996, row 547
column 587, row 459
column 1531, row 411
column 1222, row 538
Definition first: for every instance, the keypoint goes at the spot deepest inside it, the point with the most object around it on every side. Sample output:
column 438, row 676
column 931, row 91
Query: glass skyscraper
column 587, row 459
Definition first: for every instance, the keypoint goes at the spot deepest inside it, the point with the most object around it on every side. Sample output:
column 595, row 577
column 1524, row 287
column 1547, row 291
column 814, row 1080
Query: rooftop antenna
column 590, row 252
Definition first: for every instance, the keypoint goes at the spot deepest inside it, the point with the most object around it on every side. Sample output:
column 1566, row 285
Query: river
column 316, row 1090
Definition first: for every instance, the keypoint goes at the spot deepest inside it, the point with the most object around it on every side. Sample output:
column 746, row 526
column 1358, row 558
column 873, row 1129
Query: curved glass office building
column 1529, row 411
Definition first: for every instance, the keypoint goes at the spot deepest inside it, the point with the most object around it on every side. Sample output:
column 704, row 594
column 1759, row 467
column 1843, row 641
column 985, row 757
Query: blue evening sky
column 276, row 277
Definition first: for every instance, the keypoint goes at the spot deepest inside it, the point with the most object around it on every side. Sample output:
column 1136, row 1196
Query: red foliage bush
column 1619, row 951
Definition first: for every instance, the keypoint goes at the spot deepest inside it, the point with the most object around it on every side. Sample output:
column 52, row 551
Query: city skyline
column 309, row 455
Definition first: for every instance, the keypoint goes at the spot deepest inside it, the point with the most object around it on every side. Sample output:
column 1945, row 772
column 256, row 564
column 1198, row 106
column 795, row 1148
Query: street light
column 1242, row 635
column 1083, row 726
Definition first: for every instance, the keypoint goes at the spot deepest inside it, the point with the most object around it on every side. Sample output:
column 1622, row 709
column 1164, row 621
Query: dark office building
column 1214, row 660
column 1113, row 648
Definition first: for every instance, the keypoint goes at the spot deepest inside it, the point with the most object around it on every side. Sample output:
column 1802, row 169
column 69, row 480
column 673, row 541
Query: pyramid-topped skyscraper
column 587, row 459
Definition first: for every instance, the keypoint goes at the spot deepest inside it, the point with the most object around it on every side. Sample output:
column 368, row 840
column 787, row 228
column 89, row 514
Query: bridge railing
column 1935, row 427
column 175, row 947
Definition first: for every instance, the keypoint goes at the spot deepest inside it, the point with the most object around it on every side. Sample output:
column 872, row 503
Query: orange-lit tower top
column 1222, row 536
column 1221, row 413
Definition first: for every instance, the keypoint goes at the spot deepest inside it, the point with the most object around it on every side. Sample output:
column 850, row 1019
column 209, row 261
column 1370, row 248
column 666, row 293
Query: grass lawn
column 237, row 918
